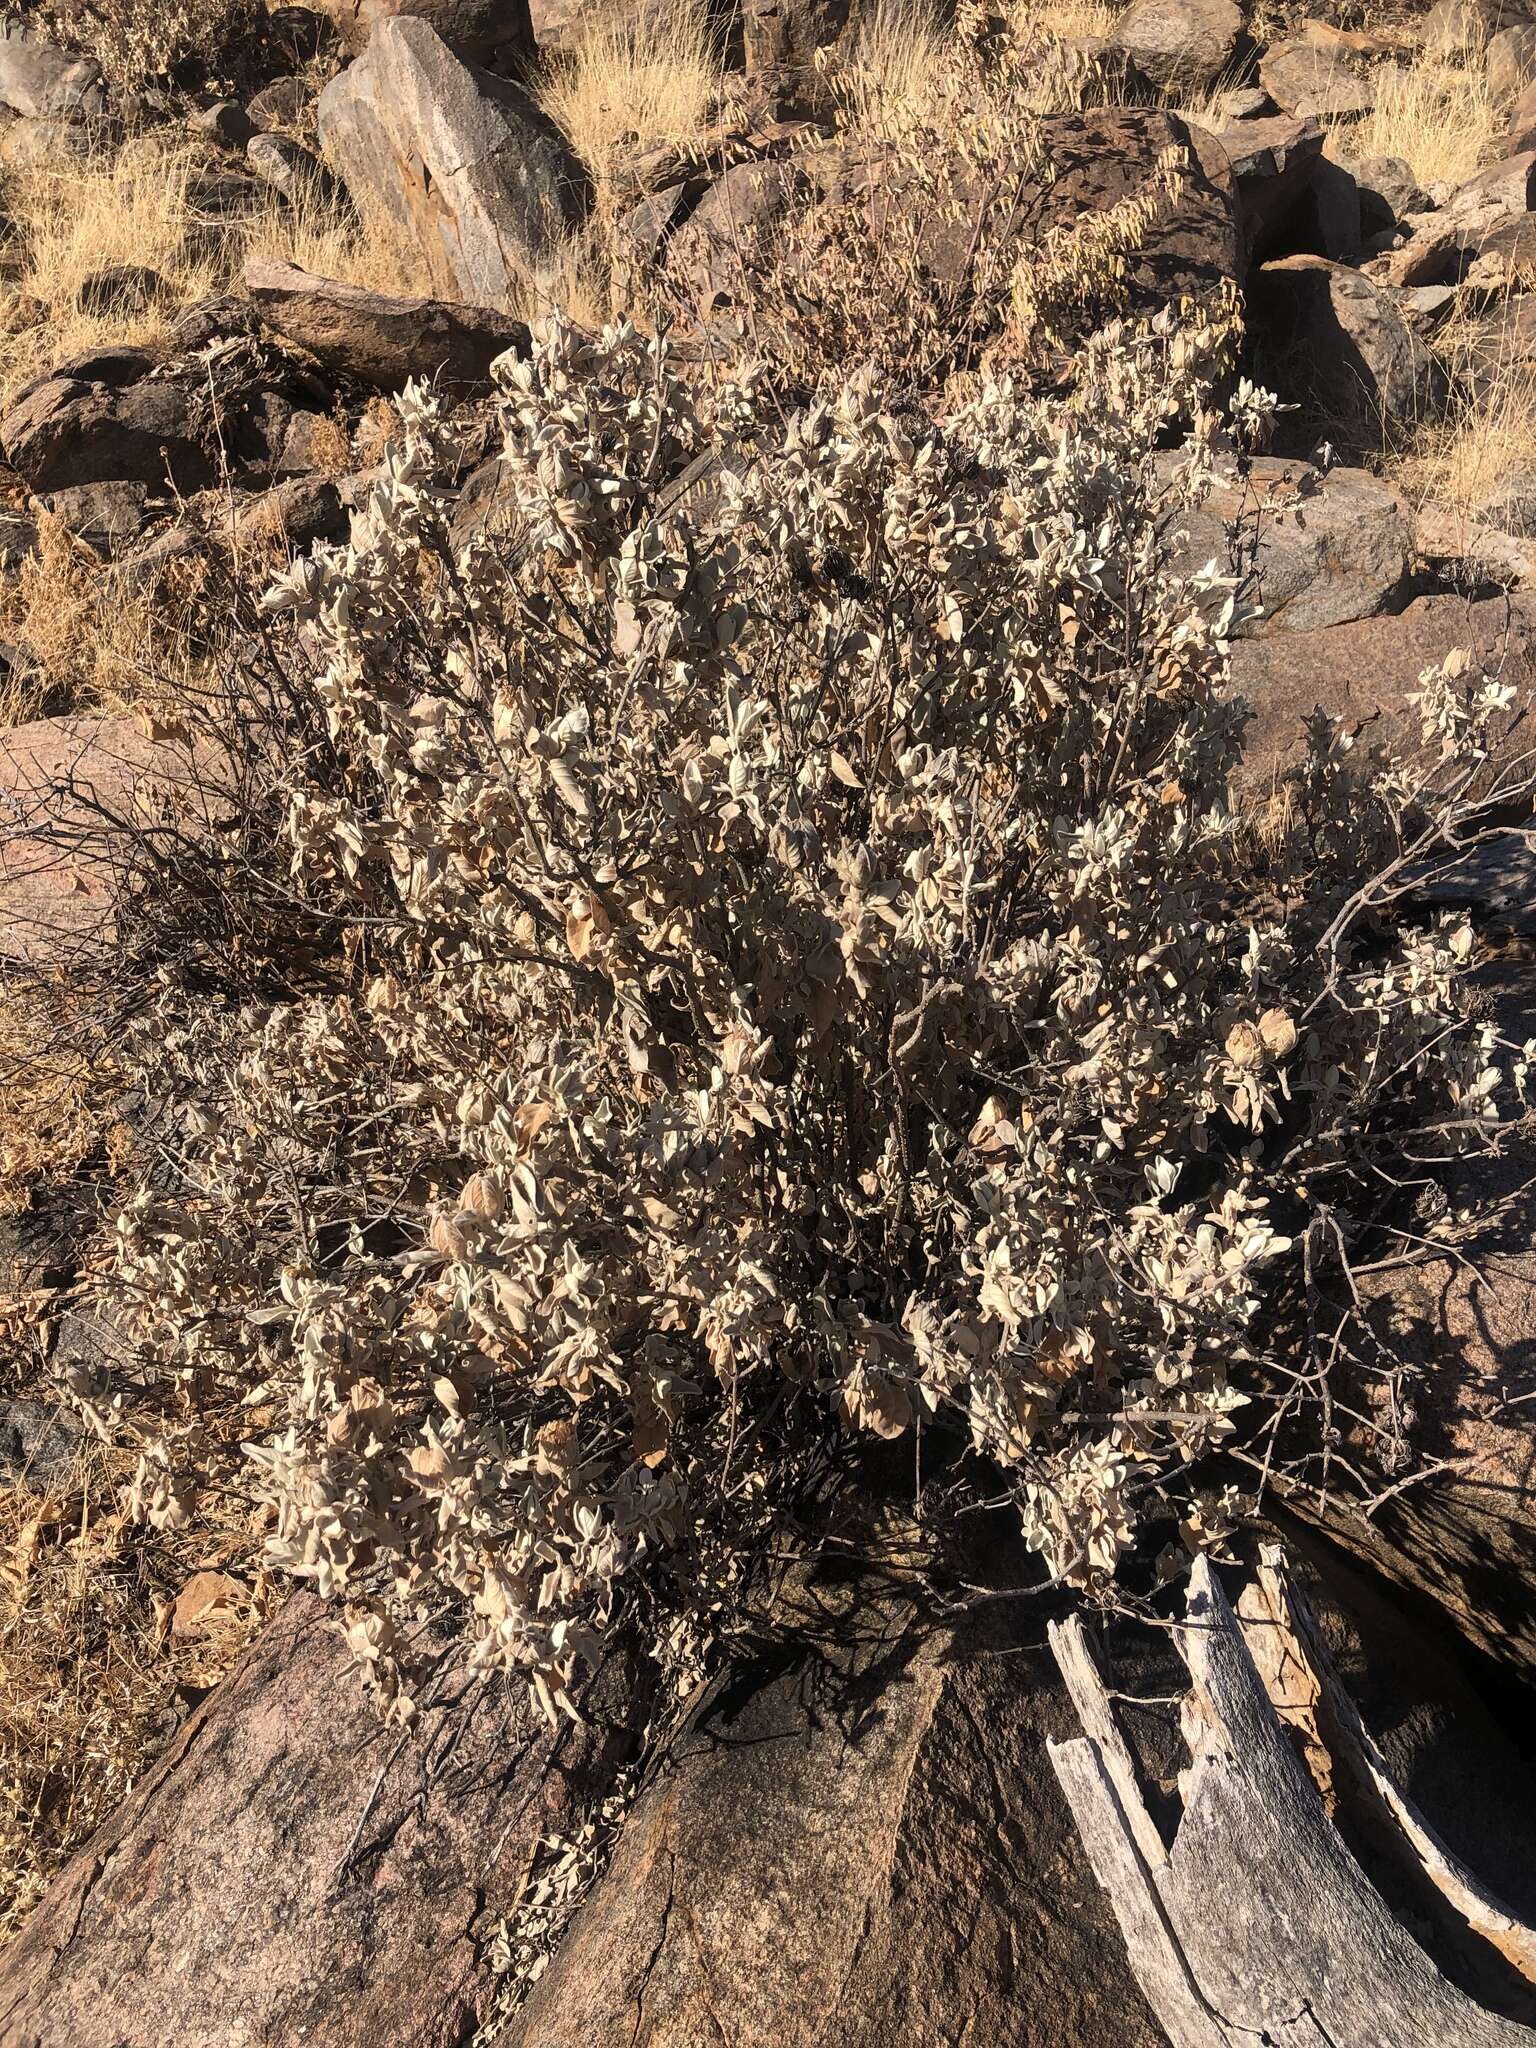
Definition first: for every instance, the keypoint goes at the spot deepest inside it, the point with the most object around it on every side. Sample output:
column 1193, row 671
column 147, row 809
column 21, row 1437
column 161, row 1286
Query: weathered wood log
column 1257, row 1921
column 294, row 1871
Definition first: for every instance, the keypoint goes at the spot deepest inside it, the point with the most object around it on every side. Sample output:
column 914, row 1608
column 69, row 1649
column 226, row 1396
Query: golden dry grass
column 1437, row 117
column 138, row 205
column 889, row 82
column 1463, row 457
column 633, row 79
column 93, row 638
column 72, row 219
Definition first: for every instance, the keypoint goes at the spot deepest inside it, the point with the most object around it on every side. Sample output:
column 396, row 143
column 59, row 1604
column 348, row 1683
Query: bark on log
column 292, row 1871
column 1257, row 1921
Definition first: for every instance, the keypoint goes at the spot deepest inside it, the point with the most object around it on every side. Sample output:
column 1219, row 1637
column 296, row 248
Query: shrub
column 764, row 958
column 146, row 42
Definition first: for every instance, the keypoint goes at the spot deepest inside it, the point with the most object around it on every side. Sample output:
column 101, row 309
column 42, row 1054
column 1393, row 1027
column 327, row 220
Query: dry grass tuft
column 1466, row 455
column 1436, row 117
column 631, row 81
column 330, row 241
column 1067, row 17
column 133, row 205
column 891, row 80
column 100, row 641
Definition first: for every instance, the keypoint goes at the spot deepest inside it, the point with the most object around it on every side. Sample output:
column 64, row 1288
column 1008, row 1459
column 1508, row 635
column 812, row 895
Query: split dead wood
column 1257, row 1922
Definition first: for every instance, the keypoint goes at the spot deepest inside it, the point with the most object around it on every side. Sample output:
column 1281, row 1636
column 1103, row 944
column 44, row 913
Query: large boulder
column 1091, row 161
column 118, row 416
column 1367, row 669
column 1328, row 549
column 380, row 340
column 1330, row 76
column 460, row 162
column 786, row 34
column 1511, row 61
column 1275, row 161
column 1465, row 28
column 1345, row 346
column 1508, row 186
column 485, row 31
column 66, row 431
column 862, row 1849
column 58, row 861
column 712, row 254
column 45, row 83
column 293, row 172
column 1180, row 46
column 292, row 1870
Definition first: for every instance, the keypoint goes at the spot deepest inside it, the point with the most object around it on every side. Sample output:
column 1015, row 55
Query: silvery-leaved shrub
column 780, row 962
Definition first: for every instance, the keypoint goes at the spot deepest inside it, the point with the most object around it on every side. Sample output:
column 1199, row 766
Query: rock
column 1353, row 352
column 121, row 289
column 1522, row 123
column 485, row 31
column 378, row 340
column 1460, row 28
column 285, row 103
column 1435, row 253
column 58, row 873
column 713, row 255
column 293, row 172
column 47, row 83
column 1367, row 668
column 207, row 321
column 68, row 431
column 315, row 443
column 1508, row 186
column 295, row 514
column 1389, row 192
column 486, row 505
column 1180, row 46
column 185, row 422
column 40, row 1442
column 1464, row 1325
column 641, row 229
column 1247, row 103
column 1511, row 505
column 1336, row 211
column 1330, row 548
column 1305, row 77
column 108, row 517
column 1499, row 257
column 226, row 122
column 1497, row 347
column 18, row 539
column 27, row 142
column 1477, row 548
column 784, row 35
column 897, row 1869
column 1511, row 61
column 298, row 37
column 293, row 1860
column 464, row 163
column 1095, row 160
column 1274, row 161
